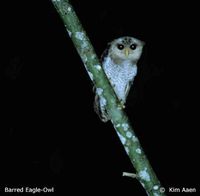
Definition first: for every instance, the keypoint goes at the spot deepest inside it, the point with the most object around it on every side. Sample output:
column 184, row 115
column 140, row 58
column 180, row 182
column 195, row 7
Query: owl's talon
column 122, row 104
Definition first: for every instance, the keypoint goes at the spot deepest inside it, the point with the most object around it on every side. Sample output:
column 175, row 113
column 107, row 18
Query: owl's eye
column 120, row 46
column 133, row 46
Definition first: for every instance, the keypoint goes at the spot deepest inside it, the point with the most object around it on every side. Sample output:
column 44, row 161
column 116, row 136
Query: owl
column 119, row 62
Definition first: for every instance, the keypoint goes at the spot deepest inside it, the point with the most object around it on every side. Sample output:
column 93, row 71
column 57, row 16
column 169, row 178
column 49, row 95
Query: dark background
column 50, row 133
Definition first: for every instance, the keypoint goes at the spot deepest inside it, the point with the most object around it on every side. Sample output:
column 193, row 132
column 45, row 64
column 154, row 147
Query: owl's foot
column 122, row 104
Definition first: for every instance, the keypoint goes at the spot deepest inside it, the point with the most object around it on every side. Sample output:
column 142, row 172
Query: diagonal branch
column 119, row 119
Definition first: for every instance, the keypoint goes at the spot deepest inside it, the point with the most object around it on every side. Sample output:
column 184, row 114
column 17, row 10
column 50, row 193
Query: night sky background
column 50, row 135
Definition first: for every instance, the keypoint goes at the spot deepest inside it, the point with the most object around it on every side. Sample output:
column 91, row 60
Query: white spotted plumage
column 120, row 76
column 119, row 62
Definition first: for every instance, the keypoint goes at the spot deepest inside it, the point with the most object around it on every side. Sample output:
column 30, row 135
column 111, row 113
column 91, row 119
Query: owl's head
column 126, row 48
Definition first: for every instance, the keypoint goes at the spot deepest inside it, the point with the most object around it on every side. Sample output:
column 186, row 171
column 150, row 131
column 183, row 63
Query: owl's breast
column 120, row 76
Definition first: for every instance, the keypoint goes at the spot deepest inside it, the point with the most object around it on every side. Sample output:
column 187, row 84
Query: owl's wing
column 130, row 82
column 127, row 88
column 99, row 109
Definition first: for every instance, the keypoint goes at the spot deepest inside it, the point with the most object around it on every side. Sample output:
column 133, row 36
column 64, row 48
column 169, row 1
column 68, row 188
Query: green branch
column 119, row 119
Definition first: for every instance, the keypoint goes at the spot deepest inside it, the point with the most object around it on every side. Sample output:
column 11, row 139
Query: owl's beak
column 126, row 52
